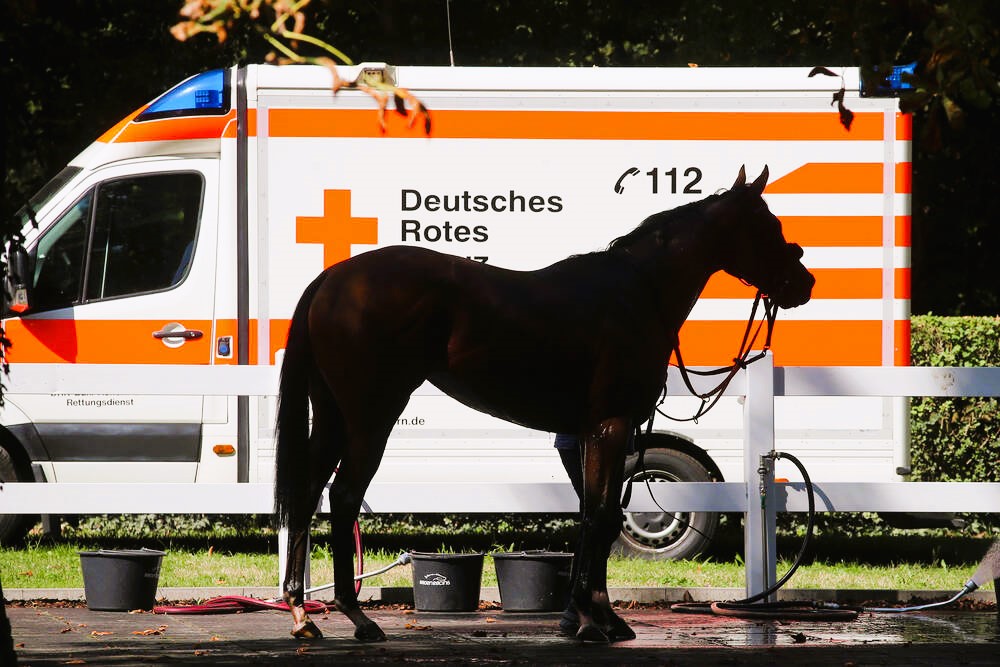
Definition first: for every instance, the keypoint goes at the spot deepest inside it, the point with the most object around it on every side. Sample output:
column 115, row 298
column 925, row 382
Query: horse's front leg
column 603, row 470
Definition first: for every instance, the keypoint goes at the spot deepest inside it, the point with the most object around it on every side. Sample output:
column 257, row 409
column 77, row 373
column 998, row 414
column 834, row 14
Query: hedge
column 955, row 439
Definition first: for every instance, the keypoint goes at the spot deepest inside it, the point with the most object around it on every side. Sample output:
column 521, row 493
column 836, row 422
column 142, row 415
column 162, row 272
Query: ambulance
column 186, row 233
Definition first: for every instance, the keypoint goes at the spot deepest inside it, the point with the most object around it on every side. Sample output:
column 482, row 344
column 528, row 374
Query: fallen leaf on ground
column 101, row 633
column 150, row 631
column 414, row 626
column 490, row 619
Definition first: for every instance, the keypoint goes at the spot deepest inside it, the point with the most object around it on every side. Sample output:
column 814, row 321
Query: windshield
column 40, row 198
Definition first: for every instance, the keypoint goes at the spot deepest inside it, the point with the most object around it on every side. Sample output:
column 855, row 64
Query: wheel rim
column 655, row 530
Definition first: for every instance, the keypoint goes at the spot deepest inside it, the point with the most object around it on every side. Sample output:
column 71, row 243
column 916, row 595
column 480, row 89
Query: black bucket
column 533, row 580
column 120, row 580
column 446, row 582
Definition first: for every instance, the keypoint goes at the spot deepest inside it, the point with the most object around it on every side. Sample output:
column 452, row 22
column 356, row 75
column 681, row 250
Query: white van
column 186, row 233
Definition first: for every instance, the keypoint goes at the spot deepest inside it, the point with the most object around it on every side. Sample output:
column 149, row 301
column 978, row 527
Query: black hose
column 750, row 607
column 810, row 522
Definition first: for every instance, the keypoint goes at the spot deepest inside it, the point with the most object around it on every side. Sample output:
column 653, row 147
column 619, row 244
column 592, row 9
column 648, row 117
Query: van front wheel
column 667, row 534
column 13, row 527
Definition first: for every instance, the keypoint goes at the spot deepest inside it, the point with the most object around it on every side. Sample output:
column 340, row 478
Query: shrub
column 955, row 439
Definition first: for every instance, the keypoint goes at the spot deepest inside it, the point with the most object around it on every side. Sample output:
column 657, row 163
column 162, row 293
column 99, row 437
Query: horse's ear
column 741, row 179
column 758, row 185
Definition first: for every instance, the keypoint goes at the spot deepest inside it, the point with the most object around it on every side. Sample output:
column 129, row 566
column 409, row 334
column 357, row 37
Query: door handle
column 176, row 334
column 186, row 334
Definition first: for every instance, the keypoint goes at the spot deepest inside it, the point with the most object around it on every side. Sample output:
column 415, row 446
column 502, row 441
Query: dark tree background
column 73, row 68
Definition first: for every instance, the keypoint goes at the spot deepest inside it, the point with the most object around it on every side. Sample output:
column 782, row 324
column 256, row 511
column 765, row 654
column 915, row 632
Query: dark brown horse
column 577, row 347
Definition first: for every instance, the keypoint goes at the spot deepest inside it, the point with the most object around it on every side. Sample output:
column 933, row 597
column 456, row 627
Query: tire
column 13, row 527
column 666, row 535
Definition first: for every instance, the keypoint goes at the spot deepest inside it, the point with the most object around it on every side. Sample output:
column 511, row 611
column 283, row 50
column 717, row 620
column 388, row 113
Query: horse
column 578, row 347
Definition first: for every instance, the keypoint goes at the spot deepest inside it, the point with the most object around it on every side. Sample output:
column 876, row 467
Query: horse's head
column 753, row 248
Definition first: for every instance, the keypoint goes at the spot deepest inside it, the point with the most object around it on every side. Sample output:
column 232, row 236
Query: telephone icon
column 631, row 171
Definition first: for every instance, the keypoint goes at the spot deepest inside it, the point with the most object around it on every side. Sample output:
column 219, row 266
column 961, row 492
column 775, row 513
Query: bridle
column 740, row 362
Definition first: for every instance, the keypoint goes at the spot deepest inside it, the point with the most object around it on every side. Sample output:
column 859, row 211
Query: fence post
column 758, row 442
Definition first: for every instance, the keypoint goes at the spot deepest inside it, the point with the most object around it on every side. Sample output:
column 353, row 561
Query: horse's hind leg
column 324, row 439
column 367, row 435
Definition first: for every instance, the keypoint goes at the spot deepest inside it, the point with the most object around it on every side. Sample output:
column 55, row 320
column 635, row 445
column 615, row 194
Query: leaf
column 820, row 70
column 415, row 626
column 101, row 633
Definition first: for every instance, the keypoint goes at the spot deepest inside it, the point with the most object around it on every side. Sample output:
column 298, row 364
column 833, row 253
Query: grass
column 222, row 551
column 58, row 566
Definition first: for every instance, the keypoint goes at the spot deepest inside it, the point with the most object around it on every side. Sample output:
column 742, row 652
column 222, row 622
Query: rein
column 742, row 359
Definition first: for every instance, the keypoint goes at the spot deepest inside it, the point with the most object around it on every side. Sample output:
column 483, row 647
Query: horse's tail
column 291, row 474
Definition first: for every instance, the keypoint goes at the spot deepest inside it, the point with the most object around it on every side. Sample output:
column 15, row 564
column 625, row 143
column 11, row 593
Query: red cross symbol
column 336, row 229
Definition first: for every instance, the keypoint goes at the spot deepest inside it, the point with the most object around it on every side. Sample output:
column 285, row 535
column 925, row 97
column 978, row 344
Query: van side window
column 144, row 231
column 59, row 258
column 125, row 236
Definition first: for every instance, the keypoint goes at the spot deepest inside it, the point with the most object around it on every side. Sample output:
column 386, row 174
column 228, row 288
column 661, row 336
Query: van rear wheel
column 667, row 534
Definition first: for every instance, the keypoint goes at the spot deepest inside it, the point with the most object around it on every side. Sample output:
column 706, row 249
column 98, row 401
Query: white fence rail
column 759, row 385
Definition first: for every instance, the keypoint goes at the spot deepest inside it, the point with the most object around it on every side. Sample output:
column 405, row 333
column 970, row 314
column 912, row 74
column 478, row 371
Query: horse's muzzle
column 795, row 289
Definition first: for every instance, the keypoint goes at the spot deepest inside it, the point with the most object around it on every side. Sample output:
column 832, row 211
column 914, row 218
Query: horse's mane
column 693, row 212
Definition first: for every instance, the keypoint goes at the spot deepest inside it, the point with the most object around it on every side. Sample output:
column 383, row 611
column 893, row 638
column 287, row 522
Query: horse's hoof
column 620, row 631
column 369, row 632
column 569, row 623
column 306, row 630
column 591, row 633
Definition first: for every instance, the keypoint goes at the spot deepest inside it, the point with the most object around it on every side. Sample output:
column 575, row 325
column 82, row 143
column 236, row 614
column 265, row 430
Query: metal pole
column 759, row 519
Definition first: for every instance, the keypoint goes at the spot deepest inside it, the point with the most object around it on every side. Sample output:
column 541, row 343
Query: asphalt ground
column 67, row 633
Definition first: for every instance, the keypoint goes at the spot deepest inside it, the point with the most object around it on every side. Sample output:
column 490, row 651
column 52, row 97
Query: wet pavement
column 48, row 635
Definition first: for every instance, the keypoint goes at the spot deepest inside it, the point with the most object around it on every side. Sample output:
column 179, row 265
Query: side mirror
column 17, row 297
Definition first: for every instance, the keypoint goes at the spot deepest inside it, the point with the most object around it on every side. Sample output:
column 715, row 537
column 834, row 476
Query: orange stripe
column 279, row 336
column 102, row 342
column 904, row 127
column 833, row 230
column 902, row 283
column 903, row 239
column 176, row 129
column 795, row 343
column 904, row 178
column 901, row 342
column 230, row 131
column 620, row 125
column 830, row 284
column 108, row 136
column 830, row 178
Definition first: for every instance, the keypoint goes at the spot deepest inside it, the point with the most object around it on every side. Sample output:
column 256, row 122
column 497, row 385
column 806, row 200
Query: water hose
column 750, row 607
column 232, row 604
column 989, row 568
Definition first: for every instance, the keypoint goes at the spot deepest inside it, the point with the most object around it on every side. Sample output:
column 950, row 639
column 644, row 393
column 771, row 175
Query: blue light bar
column 203, row 94
column 895, row 79
column 893, row 84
